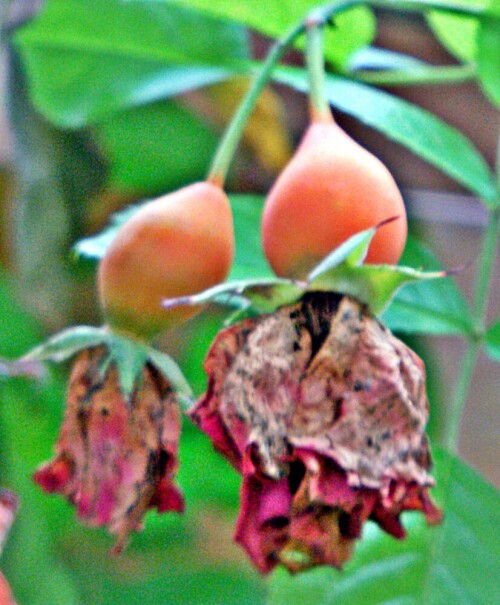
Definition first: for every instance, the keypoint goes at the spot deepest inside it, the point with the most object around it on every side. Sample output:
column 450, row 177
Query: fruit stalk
column 232, row 135
column 320, row 16
column 319, row 108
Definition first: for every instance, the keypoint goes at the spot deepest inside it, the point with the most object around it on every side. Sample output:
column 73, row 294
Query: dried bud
column 323, row 411
column 115, row 458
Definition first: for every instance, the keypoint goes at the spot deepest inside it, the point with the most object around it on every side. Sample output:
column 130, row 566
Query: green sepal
column 67, row 343
column 375, row 285
column 171, row 371
column 129, row 356
column 341, row 271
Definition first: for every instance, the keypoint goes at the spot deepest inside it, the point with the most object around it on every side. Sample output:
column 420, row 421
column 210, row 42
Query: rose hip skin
column 176, row 245
column 331, row 189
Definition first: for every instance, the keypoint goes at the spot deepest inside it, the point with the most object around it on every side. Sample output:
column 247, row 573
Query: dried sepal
column 323, row 411
column 116, row 457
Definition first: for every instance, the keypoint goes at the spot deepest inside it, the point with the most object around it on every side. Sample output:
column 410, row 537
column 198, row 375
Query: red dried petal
column 6, row 597
column 262, row 526
column 54, row 476
column 116, row 458
column 323, row 410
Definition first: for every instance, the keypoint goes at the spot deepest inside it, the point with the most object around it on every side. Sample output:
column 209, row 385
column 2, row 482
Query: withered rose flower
column 116, row 458
column 9, row 503
column 323, row 411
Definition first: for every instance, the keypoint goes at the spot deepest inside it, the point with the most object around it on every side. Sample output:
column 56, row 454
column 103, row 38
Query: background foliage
column 101, row 117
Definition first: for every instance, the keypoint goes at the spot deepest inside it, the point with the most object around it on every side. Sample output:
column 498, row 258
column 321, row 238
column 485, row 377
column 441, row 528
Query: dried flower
column 9, row 503
column 323, row 411
column 116, row 458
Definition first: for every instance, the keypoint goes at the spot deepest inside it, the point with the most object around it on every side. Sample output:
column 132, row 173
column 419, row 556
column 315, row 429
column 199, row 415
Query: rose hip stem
column 320, row 16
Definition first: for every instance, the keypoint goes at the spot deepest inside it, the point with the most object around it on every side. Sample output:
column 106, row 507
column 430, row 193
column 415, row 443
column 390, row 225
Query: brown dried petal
column 323, row 411
column 116, row 458
column 325, row 375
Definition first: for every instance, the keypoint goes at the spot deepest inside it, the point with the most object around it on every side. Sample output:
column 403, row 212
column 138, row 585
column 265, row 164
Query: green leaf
column 493, row 340
column 64, row 345
column 352, row 252
column 489, row 56
column 457, row 33
column 85, row 60
column 155, row 148
column 249, row 260
column 375, row 285
column 373, row 57
column 420, row 131
column 457, row 562
column 353, row 29
column 262, row 295
column 428, row 307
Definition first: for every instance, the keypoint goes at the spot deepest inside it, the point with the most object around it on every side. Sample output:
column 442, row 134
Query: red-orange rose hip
column 176, row 245
column 331, row 189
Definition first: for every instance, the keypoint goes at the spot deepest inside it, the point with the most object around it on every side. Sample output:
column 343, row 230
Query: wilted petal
column 116, row 458
column 323, row 410
column 262, row 526
column 6, row 597
column 9, row 503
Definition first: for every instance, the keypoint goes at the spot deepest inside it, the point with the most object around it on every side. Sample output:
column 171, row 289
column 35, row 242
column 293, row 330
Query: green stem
column 483, row 286
column 232, row 135
column 460, row 395
column 319, row 108
column 486, row 266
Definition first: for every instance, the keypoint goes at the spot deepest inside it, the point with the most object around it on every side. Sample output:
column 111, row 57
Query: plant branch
column 230, row 139
column 232, row 135
column 484, row 277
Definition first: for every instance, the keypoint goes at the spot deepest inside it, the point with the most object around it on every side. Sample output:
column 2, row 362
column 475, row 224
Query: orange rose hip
column 331, row 189
column 176, row 245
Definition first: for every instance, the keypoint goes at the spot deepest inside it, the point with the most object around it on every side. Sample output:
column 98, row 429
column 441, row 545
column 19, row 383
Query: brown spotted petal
column 116, row 458
column 323, row 411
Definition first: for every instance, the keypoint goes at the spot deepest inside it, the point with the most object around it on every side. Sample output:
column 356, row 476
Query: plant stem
column 232, row 135
column 483, row 286
column 460, row 395
column 318, row 104
column 486, row 266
